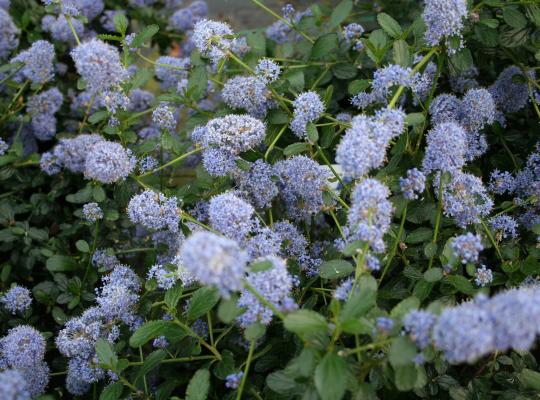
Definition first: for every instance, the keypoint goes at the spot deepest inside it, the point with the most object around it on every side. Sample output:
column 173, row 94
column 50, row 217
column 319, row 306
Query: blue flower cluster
column 154, row 211
column 274, row 284
column 117, row 300
column 215, row 260
column 22, row 351
column 17, row 299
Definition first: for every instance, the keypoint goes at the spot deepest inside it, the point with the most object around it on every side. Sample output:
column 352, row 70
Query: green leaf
column 106, row 354
column 261, row 266
column 461, row 60
column 513, row 37
column 404, row 306
column 461, row 284
column 98, row 193
column 228, row 310
column 152, row 329
column 430, row 249
column 82, row 246
column 112, row 391
column 433, row 274
column 514, row 18
column 295, row 78
column 335, row 269
column 331, row 377
column 254, row 332
column 352, row 248
column 281, row 383
column 296, row 148
column 98, row 116
column 530, row 379
column 405, row 377
column 257, row 43
column 402, row 352
column 305, row 322
column 150, row 362
column 82, row 196
column 312, row 133
column 340, row 13
column 120, row 23
column 173, row 295
column 419, row 235
column 59, row 263
column 198, row 385
column 362, row 300
column 389, row 25
column 324, row 46
column 197, row 83
column 145, row 34
column 202, row 301
column 357, row 86
column 344, row 71
column 142, row 76
column 112, row 38
column 401, row 53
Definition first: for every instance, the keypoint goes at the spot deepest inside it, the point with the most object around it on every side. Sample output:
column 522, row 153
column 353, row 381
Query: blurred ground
column 244, row 14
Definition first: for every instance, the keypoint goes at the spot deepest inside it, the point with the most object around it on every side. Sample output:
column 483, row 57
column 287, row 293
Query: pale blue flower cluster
column 59, row 29
column 98, row 63
column 163, row 117
column 171, row 71
column 352, row 34
column 419, row 324
column 501, row 182
column 184, row 19
column 444, row 19
column 107, row 19
column 301, row 183
column 446, row 148
column 42, row 108
column 108, row 162
column 274, row 284
column 504, row 226
column 267, row 70
column 370, row 214
column 147, row 164
column 248, row 93
column 231, row 216
column 465, row 198
column 343, row 290
column 102, row 259
column 212, row 39
column 23, row 350
column 17, row 299
column 280, row 31
column 13, row 386
column 363, row 147
column 70, row 154
column 232, row 381
column 483, row 276
column 9, row 35
column 467, row 247
column 511, row 95
column 3, row 147
column 154, row 211
column 215, row 260
column 258, row 185
column 92, row 212
column 308, row 107
column 38, row 63
column 224, row 138
column 413, row 184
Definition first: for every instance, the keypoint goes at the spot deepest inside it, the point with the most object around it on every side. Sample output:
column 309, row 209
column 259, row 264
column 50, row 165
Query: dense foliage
column 344, row 204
